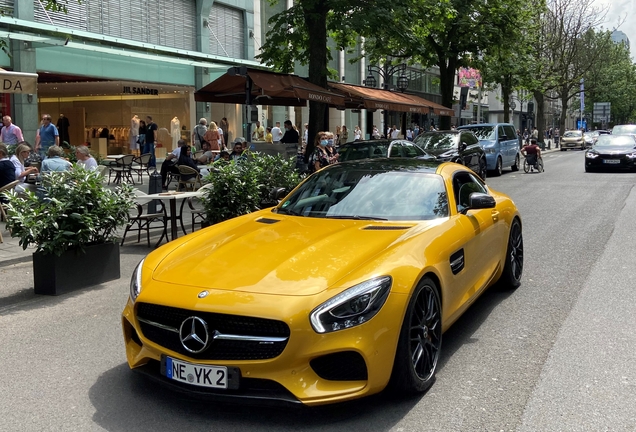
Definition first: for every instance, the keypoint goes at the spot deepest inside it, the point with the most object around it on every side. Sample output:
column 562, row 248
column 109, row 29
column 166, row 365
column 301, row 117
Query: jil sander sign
column 16, row 82
column 140, row 91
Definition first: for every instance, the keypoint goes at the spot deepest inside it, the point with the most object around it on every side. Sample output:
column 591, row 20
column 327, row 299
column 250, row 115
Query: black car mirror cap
column 479, row 201
column 462, row 146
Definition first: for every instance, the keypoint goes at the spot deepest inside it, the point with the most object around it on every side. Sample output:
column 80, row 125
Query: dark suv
column 459, row 146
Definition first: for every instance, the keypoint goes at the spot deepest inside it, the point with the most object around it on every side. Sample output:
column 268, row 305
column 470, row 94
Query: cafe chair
column 189, row 178
column 122, row 169
column 197, row 210
column 140, row 166
column 3, row 214
column 144, row 221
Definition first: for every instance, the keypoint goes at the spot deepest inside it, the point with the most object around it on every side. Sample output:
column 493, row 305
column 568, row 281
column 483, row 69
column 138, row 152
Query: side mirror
column 480, row 200
column 277, row 193
column 462, row 146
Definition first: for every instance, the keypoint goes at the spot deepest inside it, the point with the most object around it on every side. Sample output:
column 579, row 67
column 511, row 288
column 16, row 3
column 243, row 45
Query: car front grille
column 158, row 324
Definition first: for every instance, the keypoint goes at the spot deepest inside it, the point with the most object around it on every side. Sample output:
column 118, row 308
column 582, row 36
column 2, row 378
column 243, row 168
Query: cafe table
column 171, row 197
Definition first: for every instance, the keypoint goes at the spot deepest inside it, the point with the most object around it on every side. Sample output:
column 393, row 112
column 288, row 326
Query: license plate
column 198, row 375
column 611, row 161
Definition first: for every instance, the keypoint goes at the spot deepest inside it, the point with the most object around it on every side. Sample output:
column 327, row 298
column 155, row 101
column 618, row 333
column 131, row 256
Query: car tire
column 513, row 267
column 515, row 167
column 420, row 338
column 483, row 169
column 498, row 167
column 562, row 149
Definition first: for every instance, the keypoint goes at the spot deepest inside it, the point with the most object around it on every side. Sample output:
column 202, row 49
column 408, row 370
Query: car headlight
column 489, row 150
column 135, row 282
column 632, row 156
column 351, row 307
column 591, row 155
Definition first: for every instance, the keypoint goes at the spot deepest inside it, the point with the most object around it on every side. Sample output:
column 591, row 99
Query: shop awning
column 268, row 88
column 18, row 82
column 437, row 108
column 373, row 99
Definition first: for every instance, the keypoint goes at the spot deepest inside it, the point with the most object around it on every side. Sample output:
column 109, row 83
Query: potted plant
column 72, row 223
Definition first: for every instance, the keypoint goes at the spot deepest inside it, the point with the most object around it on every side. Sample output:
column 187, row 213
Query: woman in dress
column 344, row 135
column 212, row 136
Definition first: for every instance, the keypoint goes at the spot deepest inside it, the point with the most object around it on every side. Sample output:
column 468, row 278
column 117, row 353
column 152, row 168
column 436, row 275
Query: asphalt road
column 556, row 354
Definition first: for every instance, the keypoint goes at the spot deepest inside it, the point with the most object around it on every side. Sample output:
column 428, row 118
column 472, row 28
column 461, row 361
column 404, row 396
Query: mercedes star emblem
column 194, row 334
column 203, row 294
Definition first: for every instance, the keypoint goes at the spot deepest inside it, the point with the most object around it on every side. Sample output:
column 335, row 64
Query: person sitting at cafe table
column 223, row 157
column 171, row 162
column 208, row 155
column 84, row 158
column 185, row 159
column 22, row 152
column 7, row 170
column 237, row 152
column 54, row 161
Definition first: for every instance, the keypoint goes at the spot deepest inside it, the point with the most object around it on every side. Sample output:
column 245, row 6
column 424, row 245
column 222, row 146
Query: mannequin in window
column 134, row 135
column 62, row 128
column 175, row 131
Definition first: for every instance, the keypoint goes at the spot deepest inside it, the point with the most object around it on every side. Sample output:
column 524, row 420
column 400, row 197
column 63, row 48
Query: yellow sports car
column 342, row 290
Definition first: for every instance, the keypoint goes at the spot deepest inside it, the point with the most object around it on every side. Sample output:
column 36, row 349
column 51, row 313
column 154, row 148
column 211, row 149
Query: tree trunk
column 540, row 119
column 506, row 89
column 564, row 110
column 447, row 87
column 315, row 20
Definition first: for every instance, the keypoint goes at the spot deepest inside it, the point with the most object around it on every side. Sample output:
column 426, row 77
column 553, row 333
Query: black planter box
column 54, row 275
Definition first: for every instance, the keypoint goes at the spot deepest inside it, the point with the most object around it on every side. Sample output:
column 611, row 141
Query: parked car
column 628, row 129
column 613, row 152
column 591, row 137
column 373, row 149
column 572, row 139
column 500, row 144
column 455, row 146
column 353, row 279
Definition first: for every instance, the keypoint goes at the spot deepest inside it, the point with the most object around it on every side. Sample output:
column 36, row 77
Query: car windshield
column 615, row 141
column 483, row 132
column 592, row 134
column 572, row 134
column 437, row 141
column 347, row 191
column 624, row 130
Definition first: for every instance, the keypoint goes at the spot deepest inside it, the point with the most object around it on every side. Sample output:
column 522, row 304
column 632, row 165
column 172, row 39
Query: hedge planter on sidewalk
column 74, row 269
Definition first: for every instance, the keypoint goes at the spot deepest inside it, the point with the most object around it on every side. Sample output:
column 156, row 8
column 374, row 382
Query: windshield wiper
column 287, row 211
column 355, row 217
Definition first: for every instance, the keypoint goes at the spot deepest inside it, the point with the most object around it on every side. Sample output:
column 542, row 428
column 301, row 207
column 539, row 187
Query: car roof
column 393, row 164
column 373, row 142
column 440, row 132
column 484, row 124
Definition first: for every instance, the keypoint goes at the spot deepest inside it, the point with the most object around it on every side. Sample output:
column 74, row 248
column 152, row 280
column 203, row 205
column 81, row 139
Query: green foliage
column 78, row 211
column 239, row 188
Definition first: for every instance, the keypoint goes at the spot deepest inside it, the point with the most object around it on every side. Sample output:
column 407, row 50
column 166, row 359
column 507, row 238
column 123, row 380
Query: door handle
column 495, row 215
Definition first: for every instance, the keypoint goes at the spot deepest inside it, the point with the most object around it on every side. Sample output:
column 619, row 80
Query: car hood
column 441, row 153
column 614, row 150
column 281, row 255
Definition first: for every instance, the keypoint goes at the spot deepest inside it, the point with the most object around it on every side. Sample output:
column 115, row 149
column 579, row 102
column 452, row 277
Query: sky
column 621, row 11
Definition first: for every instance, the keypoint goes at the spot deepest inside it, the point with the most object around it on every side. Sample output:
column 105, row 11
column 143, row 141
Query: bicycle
column 538, row 166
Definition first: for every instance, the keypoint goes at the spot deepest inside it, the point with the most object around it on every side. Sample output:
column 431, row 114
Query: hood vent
column 267, row 221
column 385, row 228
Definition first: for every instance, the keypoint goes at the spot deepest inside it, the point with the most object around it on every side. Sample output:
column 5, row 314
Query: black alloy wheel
column 420, row 341
column 483, row 169
column 515, row 167
column 498, row 167
column 513, row 267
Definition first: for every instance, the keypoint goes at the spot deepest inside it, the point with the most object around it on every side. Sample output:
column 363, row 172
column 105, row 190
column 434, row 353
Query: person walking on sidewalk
column 10, row 134
column 46, row 136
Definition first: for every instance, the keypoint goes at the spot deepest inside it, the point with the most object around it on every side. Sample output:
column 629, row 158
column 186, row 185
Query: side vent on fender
column 267, row 221
column 385, row 228
column 457, row 261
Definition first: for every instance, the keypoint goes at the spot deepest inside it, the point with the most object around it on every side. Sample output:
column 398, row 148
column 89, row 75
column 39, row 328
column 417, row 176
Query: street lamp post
column 387, row 72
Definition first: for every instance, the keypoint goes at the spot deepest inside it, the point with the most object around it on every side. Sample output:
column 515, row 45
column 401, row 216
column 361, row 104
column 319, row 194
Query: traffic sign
column 602, row 111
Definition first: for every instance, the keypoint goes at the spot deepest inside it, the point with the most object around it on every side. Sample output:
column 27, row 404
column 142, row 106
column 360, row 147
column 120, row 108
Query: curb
column 13, row 261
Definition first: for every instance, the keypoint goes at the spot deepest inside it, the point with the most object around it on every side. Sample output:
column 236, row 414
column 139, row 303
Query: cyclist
column 532, row 153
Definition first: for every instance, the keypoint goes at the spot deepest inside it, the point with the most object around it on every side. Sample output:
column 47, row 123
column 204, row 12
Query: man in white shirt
column 277, row 134
column 395, row 132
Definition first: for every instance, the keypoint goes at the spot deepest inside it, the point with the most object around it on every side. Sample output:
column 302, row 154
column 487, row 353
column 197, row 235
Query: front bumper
column 289, row 378
column 572, row 144
column 612, row 162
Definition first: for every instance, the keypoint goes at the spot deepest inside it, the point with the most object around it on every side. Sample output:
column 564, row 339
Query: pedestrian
column 225, row 127
column 291, row 134
column 357, row 133
column 151, row 141
column 320, row 157
column 141, row 139
column 259, row 132
column 10, row 134
column 199, row 132
column 269, row 138
column 62, row 127
column 395, row 132
column 331, row 150
column 535, row 134
column 416, row 131
column 213, row 136
column 409, row 134
column 277, row 134
column 376, row 133
column 46, row 136
column 7, row 169
column 344, row 135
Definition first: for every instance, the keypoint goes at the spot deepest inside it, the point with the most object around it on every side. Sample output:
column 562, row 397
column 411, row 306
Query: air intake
column 385, row 228
column 267, row 221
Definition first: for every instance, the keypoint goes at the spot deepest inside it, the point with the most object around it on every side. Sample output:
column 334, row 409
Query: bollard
column 154, row 187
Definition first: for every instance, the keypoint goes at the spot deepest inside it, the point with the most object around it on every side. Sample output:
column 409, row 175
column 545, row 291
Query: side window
column 501, row 132
column 410, row 150
column 464, row 184
column 395, row 150
column 470, row 139
column 510, row 132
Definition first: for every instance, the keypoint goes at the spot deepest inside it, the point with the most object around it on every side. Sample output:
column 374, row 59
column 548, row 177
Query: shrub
column 76, row 210
column 238, row 188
